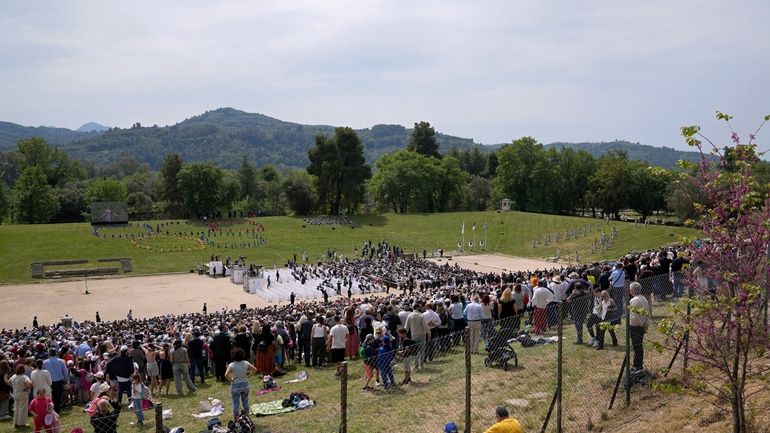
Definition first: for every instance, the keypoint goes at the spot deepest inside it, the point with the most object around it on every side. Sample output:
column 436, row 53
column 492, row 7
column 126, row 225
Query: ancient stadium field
column 176, row 247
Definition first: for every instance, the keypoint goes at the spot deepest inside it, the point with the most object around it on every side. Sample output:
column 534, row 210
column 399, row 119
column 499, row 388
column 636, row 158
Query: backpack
column 213, row 422
column 294, row 399
column 268, row 382
column 241, row 424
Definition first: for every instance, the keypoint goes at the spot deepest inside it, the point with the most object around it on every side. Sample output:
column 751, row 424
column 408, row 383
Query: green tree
column 575, row 169
column 647, row 188
column 4, row 201
column 397, row 180
column 448, row 185
column 201, row 185
column 423, row 140
column 140, row 205
column 55, row 164
column 105, row 190
column 610, row 183
column 33, row 198
column 231, row 190
column 247, row 177
column 341, row 170
column 516, row 176
column 490, row 169
column 170, row 187
column 476, row 194
column 72, row 202
column 298, row 186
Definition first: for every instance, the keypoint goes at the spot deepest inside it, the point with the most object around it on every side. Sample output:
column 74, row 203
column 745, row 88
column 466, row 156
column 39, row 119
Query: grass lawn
column 179, row 250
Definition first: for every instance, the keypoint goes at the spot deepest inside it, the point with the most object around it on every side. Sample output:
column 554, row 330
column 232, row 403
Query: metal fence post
column 559, row 360
column 467, row 336
column 627, row 301
column 159, row 417
column 344, row 397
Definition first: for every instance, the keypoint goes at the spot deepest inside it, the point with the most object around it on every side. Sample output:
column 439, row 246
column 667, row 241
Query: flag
column 474, row 226
column 462, row 230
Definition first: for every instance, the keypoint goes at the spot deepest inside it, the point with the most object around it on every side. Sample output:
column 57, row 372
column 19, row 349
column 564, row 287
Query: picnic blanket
column 267, row 390
column 270, row 408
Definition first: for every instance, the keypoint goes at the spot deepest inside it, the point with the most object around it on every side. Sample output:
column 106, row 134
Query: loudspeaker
column 243, row 307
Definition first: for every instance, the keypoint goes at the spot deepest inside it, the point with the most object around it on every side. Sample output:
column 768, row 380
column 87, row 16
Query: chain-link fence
column 570, row 384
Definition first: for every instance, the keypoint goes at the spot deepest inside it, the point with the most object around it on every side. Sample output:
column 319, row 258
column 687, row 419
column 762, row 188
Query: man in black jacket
column 221, row 347
column 195, row 352
column 306, row 328
column 121, row 368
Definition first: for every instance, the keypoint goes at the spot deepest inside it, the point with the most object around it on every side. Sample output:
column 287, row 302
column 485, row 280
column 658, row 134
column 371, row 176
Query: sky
column 488, row 70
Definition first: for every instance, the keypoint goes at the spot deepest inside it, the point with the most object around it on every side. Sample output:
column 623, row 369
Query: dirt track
column 156, row 295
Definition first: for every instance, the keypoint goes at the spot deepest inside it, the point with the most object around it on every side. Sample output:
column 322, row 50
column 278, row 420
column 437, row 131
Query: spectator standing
column 338, row 338
column 237, row 374
column 418, row 329
column 385, row 358
column 59, row 377
column 20, row 387
column 180, row 362
column 638, row 322
column 195, row 352
column 473, row 313
column 221, row 347
column 540, row 300
column 618, row 287
column 320, row 333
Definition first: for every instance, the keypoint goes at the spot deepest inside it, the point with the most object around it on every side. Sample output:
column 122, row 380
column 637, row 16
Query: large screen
column 108, row 212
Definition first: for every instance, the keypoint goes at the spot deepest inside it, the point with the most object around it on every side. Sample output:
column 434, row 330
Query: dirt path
column 156, row 295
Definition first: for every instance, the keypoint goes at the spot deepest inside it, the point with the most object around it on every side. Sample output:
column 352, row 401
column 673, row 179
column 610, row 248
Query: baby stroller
column 500, row 351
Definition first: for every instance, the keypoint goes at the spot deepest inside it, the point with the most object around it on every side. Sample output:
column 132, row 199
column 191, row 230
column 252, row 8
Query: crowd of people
column 98, row 363
column 329, row 220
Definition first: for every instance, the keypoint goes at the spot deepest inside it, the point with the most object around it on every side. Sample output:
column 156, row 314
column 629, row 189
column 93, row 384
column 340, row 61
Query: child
column 51, row 420
column 138, row 392
column 370, row 360
column 406, row 352
column 106, row 420
column 38, row 407
column 385, row 356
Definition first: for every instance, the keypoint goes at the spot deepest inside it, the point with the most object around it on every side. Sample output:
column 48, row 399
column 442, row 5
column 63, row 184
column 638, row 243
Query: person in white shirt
column 473, row 312
column 559, row 289
column 638, row 321
column 338, row 337
column 418, row 329
column 540, row 300
column 433, row 320
column 618, row 287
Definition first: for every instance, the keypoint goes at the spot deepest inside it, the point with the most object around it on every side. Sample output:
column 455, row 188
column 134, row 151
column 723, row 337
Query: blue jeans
column 240, row 393
column 387, row 376
column 678, row 284
column 138, row 409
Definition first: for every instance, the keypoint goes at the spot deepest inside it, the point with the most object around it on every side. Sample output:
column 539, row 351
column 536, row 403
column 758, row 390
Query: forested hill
column 225, row 135
column 665, row 157
column 11, row 133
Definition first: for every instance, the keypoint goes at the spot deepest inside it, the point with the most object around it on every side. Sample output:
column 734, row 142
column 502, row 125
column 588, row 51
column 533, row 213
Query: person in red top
column 39, row 407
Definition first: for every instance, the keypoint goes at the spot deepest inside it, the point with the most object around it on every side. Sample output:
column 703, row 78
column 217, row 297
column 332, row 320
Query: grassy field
column 179, row 250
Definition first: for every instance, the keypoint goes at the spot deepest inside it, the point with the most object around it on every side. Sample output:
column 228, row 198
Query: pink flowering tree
column 727, row 325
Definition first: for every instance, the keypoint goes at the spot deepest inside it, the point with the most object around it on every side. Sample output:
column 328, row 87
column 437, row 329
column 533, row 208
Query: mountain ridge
column 224, row 135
